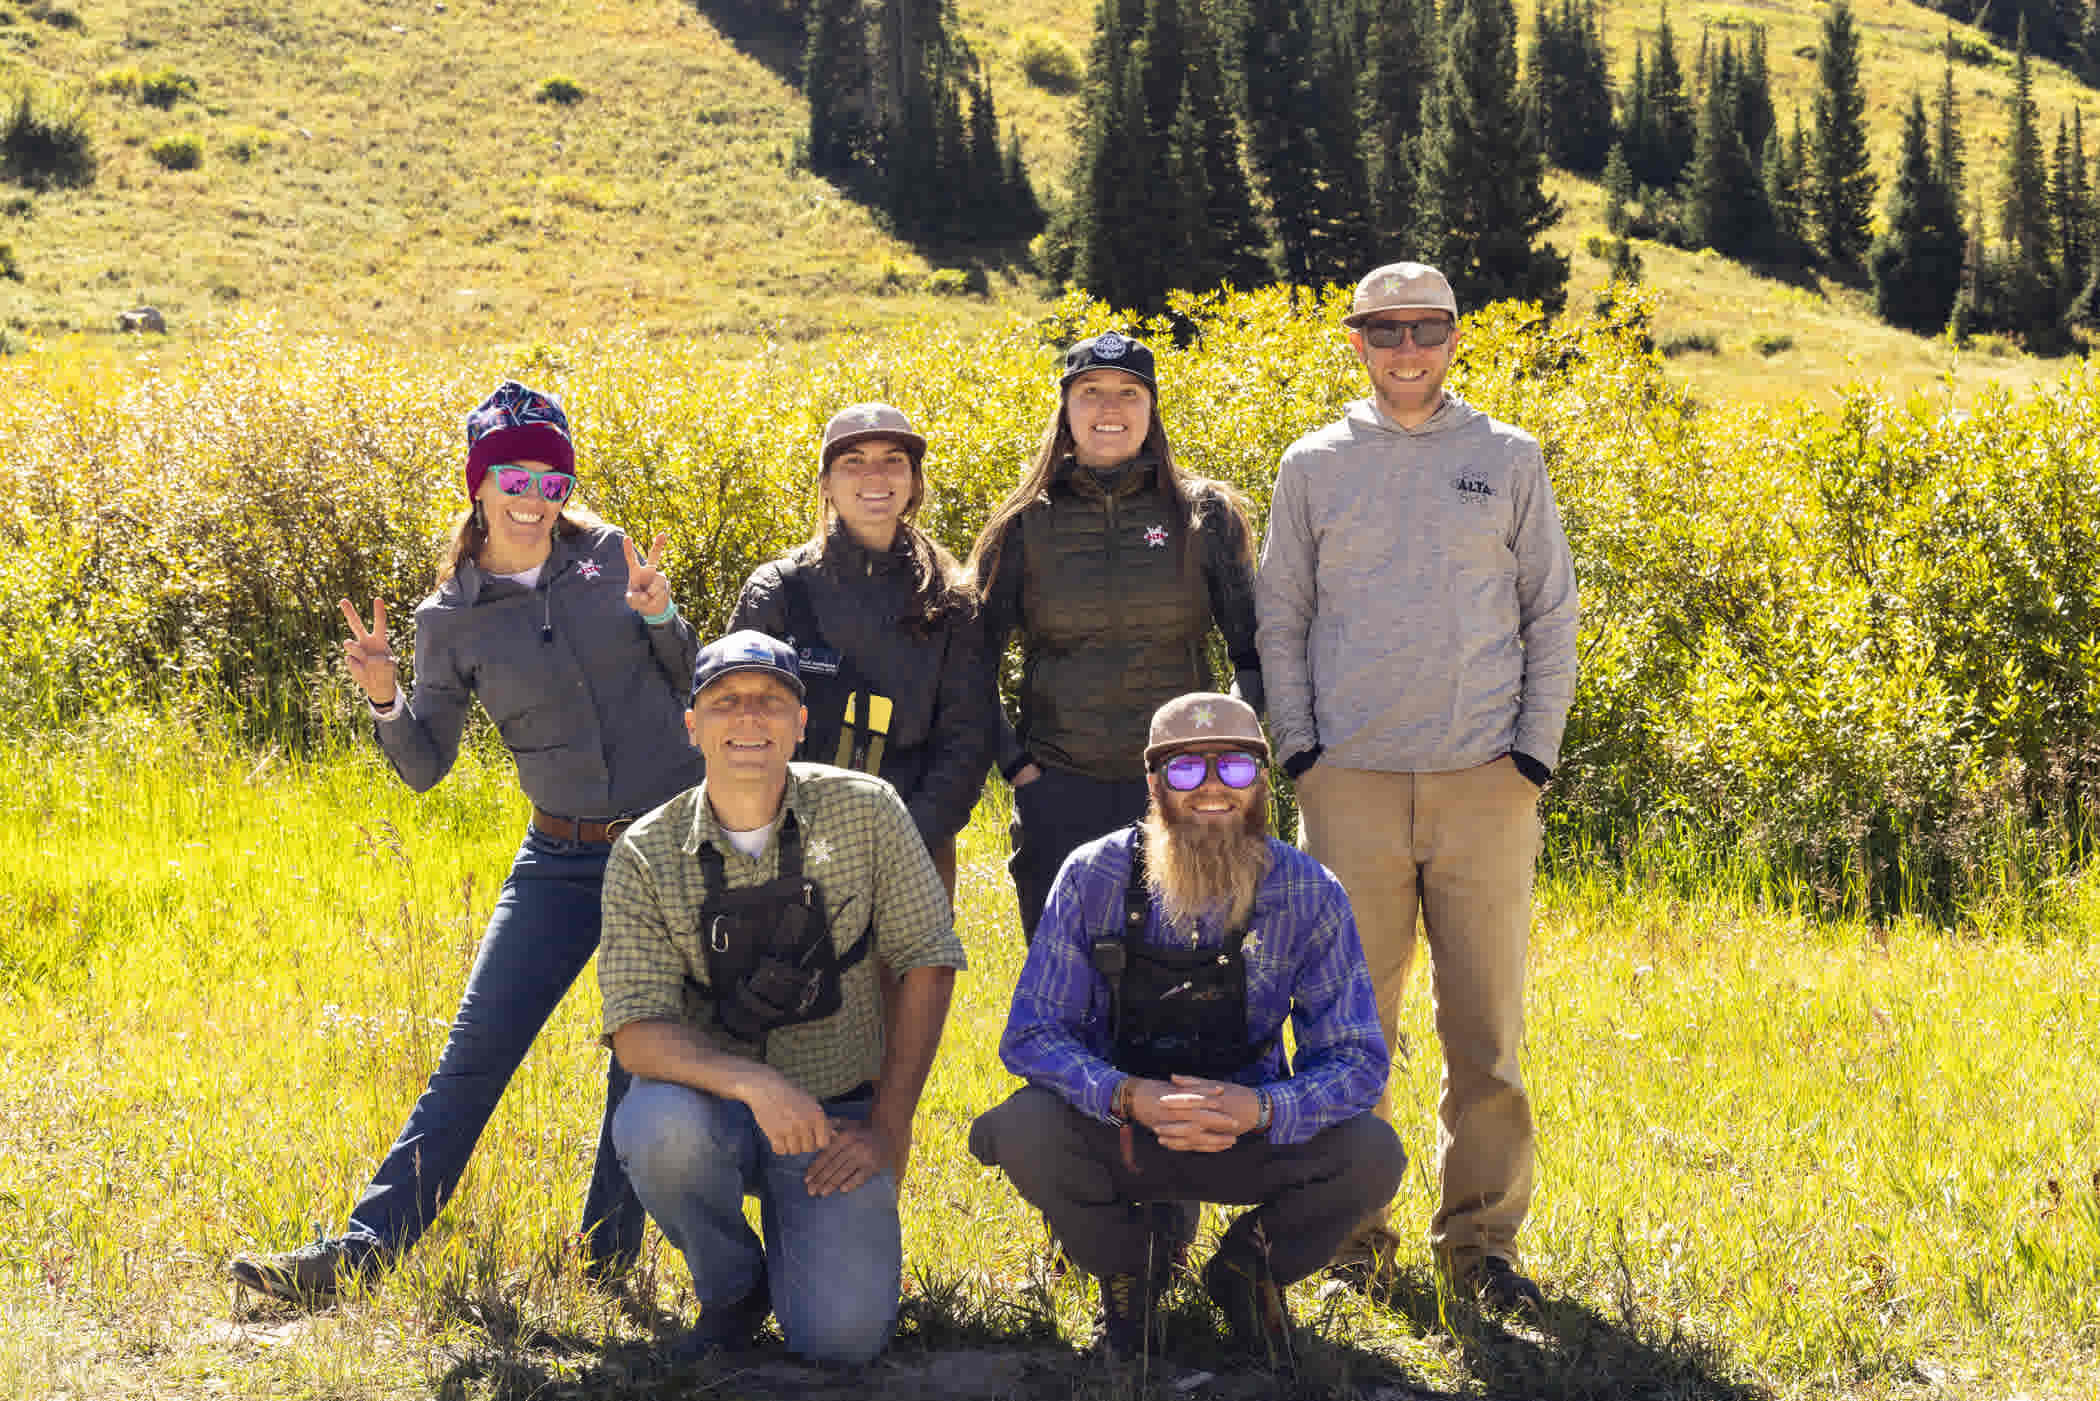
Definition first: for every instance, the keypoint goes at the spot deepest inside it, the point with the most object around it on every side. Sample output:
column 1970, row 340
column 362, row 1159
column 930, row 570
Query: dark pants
column 1054, row 816
column 1307, row 1196
column 541, row 934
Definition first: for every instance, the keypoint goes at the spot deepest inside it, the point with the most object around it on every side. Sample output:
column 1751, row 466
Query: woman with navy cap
column 1113, row 567
column 884, row 625
column 571, row 643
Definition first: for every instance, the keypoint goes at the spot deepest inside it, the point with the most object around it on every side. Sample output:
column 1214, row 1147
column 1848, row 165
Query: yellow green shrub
column 1851, row 649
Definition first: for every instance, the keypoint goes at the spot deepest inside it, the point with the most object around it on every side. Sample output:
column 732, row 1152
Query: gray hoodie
column 1416, row 599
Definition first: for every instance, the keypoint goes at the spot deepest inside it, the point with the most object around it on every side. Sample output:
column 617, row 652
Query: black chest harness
column 770, row 960
column 1173, row 1011
column 848, row 724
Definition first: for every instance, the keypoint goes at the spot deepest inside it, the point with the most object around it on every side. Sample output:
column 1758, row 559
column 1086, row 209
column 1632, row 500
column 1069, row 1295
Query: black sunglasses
column 1391, row 335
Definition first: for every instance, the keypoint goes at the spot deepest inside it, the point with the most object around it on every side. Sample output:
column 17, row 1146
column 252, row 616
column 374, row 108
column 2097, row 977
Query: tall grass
column 1778, row 1156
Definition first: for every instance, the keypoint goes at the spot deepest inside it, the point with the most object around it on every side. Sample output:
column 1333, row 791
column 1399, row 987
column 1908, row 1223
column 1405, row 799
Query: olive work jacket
column 1114, row 621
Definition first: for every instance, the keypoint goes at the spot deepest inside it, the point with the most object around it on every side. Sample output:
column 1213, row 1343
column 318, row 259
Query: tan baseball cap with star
column 1401, row 287
column 1203, row 717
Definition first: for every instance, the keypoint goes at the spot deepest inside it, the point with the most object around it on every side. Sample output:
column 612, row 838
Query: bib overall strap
column 714, row 874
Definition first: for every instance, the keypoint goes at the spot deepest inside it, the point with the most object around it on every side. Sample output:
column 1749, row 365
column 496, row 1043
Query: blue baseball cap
column 747, row 651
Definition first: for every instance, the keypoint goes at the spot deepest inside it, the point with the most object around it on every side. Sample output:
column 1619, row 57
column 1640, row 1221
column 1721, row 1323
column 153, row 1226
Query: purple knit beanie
column 517, row 424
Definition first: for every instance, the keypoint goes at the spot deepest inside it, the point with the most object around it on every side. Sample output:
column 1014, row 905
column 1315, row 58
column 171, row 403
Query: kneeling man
column 1148, row 1022
column 743, row 920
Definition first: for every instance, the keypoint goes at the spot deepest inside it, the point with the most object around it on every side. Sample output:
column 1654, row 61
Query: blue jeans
column 831, row 1264
column 541, row 934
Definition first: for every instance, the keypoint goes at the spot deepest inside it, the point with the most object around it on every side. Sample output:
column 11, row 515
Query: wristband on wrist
column 1016, row 766
column 1267, row 1115
column 1119, row 1104
column 657, row 619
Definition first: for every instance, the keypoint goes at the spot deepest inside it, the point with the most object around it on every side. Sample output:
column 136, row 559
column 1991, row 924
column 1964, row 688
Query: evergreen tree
column 1235, row 248
column 1916, row 262
column 2023, row 210
column 1024, row 211
column 1780, row 174
column 1636, row 131
column 1568, row 87
column 1302, row 142
column 1754, row 117
column 1119, row 258
column 1661, row 154
column 2028, row 301
column 834, row 74
column 1162, row 57
column 1618, row 191
column 1483, row 198
column 1842, row 188
column 1725, row 207
column 1396, row 74
column 1949, row 165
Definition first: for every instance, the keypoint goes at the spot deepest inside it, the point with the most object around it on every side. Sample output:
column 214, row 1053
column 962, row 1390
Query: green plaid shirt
column 858, row 845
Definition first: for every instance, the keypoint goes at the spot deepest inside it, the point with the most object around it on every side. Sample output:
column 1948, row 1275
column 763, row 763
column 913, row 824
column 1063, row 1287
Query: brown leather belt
column 577, row 829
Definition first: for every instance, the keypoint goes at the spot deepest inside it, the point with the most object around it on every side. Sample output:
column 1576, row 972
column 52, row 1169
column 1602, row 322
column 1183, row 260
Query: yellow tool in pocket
column 863, row 731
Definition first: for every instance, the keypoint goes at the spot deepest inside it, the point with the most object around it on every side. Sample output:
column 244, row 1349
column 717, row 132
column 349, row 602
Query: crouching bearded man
column 743, row 922
column 1148, row 1023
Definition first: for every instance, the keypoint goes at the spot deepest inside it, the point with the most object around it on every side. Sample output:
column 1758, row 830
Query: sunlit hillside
column 389, row 168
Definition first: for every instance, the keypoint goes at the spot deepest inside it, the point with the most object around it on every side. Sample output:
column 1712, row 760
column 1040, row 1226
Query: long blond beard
column 1196, row 869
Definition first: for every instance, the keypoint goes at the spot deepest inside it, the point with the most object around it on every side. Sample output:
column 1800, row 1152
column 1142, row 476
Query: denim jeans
column 832, row 1264
column 541, row 934
column 1056, row 815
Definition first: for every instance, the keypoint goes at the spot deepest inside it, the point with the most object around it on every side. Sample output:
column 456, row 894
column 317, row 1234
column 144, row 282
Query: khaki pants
column 1458, row 849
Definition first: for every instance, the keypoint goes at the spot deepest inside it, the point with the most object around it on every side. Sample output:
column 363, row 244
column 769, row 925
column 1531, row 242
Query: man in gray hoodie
column 1416, row 607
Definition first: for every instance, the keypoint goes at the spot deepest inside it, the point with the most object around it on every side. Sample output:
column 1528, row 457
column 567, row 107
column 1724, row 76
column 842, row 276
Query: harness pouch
column 770, row 959
column 1174, row 1011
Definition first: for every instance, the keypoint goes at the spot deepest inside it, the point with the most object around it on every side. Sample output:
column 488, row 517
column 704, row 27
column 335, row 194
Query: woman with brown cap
column 573, row 646
column 1114, row 567
column 885, row 627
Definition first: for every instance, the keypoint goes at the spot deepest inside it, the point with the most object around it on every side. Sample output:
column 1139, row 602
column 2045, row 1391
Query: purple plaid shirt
column 1303, row 961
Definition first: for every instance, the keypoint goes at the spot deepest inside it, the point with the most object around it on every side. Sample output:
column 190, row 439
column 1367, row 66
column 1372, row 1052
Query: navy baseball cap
column 1111, row 350
column 747, row 651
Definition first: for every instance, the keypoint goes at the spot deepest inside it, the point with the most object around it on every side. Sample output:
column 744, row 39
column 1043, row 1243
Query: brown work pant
column 1458, row 849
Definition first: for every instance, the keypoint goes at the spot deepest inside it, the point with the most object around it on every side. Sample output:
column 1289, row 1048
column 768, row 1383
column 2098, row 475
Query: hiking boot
column 1500, row 1289
column 1368, row 1258
column 1257, row 1317
column 726, row 1327
column 310, row 1276
column 1125, row 1333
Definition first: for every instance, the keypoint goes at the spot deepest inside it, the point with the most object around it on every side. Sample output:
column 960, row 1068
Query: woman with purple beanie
column 573, row 646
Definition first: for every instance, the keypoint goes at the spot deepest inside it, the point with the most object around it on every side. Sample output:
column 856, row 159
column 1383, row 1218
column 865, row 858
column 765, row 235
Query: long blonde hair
column 1057, row 448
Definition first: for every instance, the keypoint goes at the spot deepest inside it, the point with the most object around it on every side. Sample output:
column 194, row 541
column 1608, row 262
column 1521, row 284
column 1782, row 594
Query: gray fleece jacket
column 1416, row 600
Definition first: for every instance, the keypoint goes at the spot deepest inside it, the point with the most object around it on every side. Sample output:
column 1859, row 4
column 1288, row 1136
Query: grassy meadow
column 1779, row 1157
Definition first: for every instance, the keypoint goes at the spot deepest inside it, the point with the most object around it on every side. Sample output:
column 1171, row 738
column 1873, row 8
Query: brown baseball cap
column 862, row 421
column 1203, row 717
column 1401, row 287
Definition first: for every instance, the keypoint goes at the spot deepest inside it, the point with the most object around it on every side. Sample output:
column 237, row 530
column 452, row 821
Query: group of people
column 757, row 838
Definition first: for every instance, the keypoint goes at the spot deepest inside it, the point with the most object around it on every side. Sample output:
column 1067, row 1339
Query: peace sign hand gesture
column 648, row 591
column 371, row 658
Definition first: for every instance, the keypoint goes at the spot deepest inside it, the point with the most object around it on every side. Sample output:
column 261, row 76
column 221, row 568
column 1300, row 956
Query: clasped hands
column 1190, row 1114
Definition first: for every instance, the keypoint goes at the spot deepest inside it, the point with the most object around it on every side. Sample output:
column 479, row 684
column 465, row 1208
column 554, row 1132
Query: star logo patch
column 1156, row 536
column 870, row 418
column 590, row 569
column 819, row 851
column 1204, row 716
